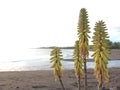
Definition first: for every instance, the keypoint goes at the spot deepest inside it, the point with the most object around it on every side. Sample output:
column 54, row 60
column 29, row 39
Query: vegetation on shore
column 112, row 45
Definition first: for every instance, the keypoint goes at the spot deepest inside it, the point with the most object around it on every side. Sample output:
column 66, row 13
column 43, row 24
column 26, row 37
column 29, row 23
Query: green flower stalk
column 100, row 46
column 78, row 64
column 56, row 57
column 83, row 30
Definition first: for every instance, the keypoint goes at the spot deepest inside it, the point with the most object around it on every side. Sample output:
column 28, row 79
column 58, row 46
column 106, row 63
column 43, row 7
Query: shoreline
column 88, row 60
column 44, row 80
column 113, row 55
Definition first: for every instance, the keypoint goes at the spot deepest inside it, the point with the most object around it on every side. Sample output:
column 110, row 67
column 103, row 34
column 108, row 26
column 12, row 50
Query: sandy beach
column 114, row 54
column 44, row 80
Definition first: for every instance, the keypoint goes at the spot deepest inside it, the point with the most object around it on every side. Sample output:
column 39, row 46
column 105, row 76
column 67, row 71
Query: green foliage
column 83, row 30
column 115, row 45
column 100, row 46
column 77, row 61
column 109, row 43
column 55, row 60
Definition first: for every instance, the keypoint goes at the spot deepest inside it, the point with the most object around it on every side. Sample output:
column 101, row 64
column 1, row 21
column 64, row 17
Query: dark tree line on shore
column 114, row 45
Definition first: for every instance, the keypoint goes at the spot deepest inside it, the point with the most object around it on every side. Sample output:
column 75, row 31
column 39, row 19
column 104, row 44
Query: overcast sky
column 26, row 24
column 35, row 23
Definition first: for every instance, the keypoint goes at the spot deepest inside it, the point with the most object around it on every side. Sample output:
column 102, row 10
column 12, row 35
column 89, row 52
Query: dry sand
column 115, row 54
column 44, row 80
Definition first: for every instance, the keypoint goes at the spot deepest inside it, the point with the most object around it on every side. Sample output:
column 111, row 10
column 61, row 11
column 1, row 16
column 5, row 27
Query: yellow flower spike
column 83, row 31
column 78, row 63
column 100, row 55
column 56, row 57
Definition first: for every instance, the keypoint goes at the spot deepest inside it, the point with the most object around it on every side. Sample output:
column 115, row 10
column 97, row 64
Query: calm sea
column 38, row 59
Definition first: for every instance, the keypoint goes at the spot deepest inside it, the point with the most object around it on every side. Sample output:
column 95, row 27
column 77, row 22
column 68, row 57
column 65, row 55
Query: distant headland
column 54, row 46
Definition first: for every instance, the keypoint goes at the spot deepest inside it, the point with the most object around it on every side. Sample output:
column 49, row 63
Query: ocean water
column 38, row 59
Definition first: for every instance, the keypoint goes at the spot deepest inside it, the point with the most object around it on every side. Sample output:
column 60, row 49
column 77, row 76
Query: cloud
column 114, row 34
column 117, row 29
